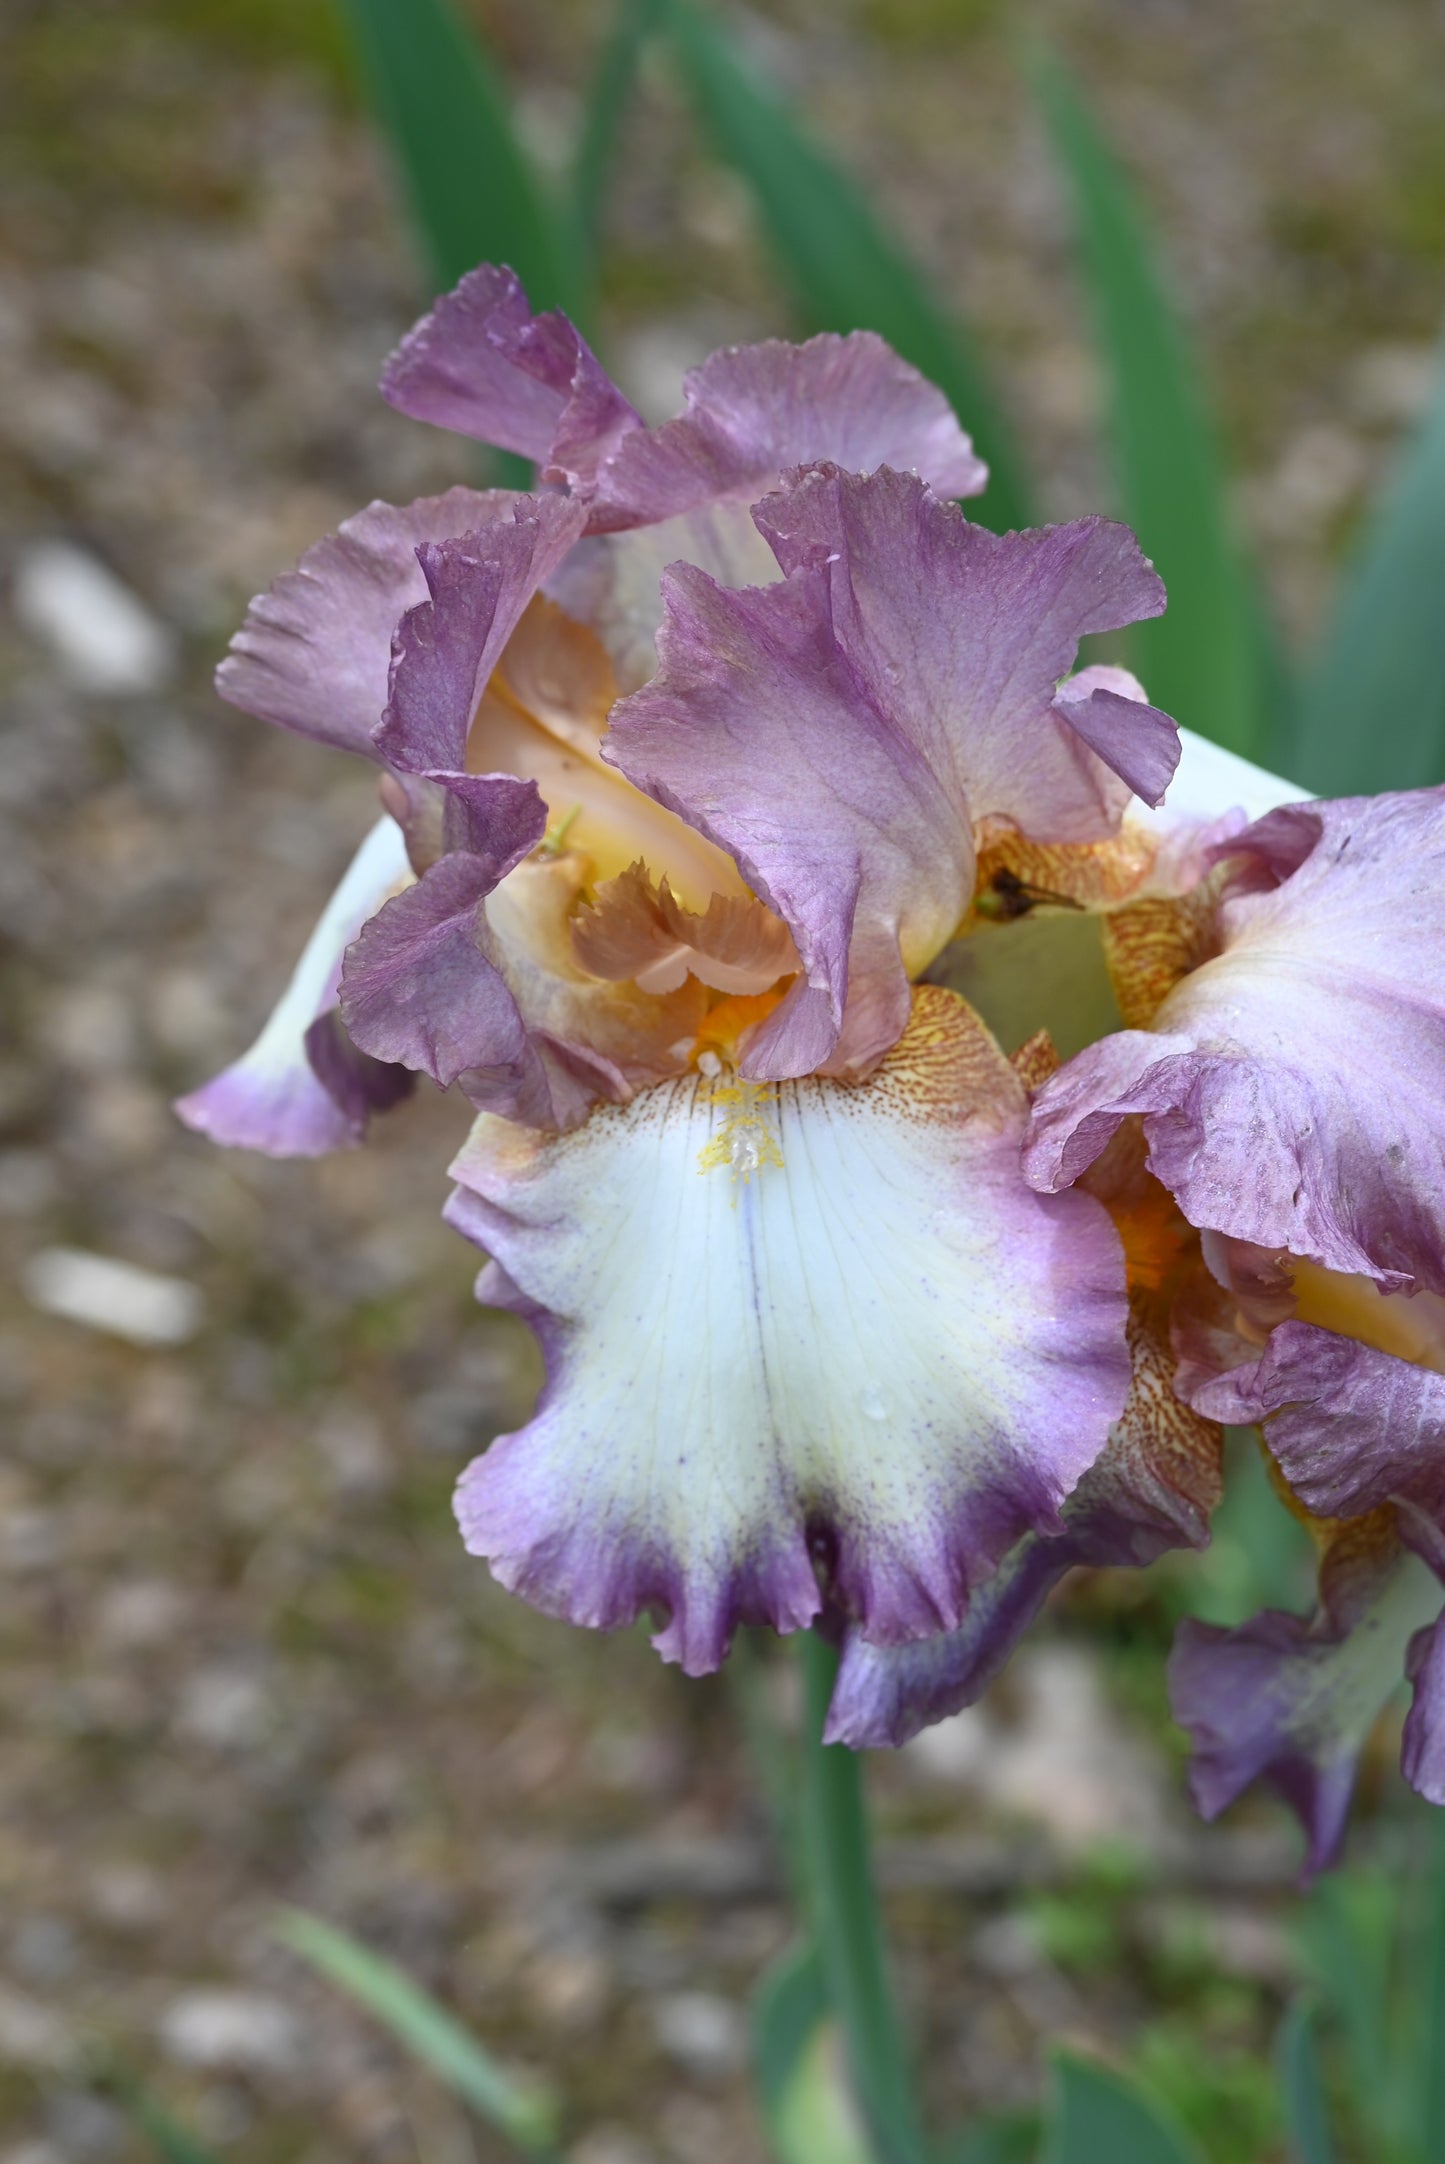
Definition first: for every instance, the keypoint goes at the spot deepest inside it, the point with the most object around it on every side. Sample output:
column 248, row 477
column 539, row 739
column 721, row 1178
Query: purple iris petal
column 1290, row 1088
column 481, row 363
column 754, row 411
column 314, row 652
column 841, row 733
column 419, row 988
column 447, row 647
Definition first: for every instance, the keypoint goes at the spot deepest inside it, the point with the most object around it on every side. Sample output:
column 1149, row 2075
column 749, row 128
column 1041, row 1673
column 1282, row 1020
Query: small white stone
column 31, row 2035
column 104, row 638
column 239, row 2030
column 703, row 2032
column 227, row 1708
column 120, row 1297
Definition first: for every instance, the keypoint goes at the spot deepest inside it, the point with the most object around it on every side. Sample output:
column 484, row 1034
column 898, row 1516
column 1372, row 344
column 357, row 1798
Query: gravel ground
column 245, row 1659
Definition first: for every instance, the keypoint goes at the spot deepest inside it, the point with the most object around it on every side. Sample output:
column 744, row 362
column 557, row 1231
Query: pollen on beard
column 746, row 1141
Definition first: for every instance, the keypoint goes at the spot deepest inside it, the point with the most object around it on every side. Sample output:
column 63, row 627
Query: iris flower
column 907, row 1139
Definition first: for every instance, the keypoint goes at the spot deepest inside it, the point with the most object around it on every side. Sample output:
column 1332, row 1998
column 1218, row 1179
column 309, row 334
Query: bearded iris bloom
column 750, row 859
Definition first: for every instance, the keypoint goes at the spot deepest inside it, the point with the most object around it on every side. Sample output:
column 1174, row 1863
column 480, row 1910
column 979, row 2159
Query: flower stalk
column 846, row 1920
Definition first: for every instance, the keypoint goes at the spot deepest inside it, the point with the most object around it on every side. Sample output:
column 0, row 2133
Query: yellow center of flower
column 1410, row 1326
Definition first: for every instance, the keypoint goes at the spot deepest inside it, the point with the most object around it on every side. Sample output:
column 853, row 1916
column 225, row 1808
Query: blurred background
column 244, row 1657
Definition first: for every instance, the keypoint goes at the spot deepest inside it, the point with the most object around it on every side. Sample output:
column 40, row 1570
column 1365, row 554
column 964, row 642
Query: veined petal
column 1290, row 1086
column 315, row 649
column 1291, row 1699
column 755, row 731
column 965, row 639
column 753, row 411
column 470, row 977
column 613, row 582
column 300, row 1090
column 417, row 988
column 813, row 1333
column 1350, row 1426
column 842, row 733
column 448, row 645
column 481, row 363
column 1152, row 1489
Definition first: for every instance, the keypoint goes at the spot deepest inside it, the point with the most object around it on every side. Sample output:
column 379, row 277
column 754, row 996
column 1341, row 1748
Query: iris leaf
column 433, row 2035
column 1101, row 2118
column 608, row 99
column 472, row 190
column 1207, row 660
column 846, row 270
column 797, row 2067
column 1306, row 2111
column 1373, row 716
column 174, row 2143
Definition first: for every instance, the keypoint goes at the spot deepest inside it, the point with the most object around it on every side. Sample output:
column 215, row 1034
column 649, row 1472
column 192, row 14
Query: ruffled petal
column 820, row 1334
column 481, row 363
column 446, row 648
column 755, row 733
column 1107, row 710
column 613, row 582
column 964, row 638
column 315, row 649
column 1153, row 1489
column 842, row 733
column 470, row 977
column 753, row 411
column 1290, row 1086
column 1290, row 1699
column 301, row 1090
column 1351, row 1427
column 417, row 989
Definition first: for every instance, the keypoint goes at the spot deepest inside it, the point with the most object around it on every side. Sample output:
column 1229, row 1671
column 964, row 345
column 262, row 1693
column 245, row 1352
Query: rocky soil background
column 242, row 1656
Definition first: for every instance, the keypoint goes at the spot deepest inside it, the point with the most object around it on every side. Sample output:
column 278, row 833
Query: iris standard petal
column 446, row 648
column 314, row 652
column 481, row 363
column 843, row 732
column 817, row 1337
column 751, row 412
column 755, row 733
column 965, row 638
column 1289, row 1087
column 299, row 1091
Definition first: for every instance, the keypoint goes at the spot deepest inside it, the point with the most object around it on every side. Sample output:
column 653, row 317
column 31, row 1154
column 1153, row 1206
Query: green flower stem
column 846, row 1922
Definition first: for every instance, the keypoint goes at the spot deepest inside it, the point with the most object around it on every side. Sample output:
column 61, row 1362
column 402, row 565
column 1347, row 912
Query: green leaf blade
column 845, row 269
column 1302, row 2087
column 608, row 98
column 1099, row 2117
column 471, row 188
column 807, row 2111
column 172, row 2142
column 1373, row 716
column 432, row 2034
column 1207, row 659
